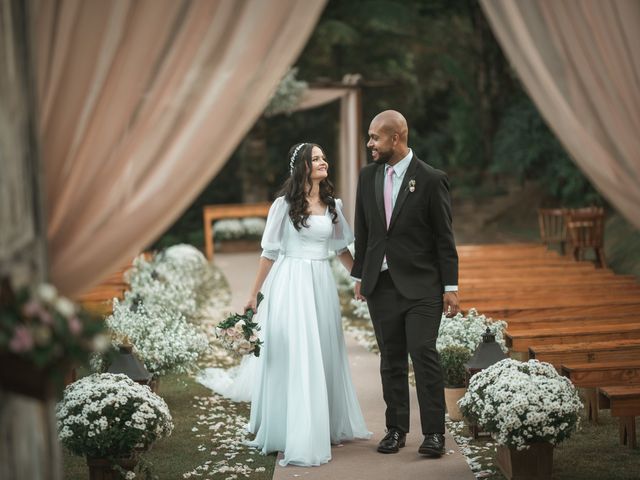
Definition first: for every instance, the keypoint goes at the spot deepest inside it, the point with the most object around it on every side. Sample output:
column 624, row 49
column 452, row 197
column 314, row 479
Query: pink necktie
column 388, row 195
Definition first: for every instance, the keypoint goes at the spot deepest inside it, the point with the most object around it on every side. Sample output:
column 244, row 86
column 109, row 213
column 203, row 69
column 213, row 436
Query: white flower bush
column 467, row 331
column 178, row 278
column 163, row 339
column 107, row 415
column 254, row 227
column 228, row 229
column 250, row 228
column 521, row 403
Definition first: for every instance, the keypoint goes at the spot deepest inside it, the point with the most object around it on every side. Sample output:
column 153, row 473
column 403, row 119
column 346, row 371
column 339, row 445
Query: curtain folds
column 580, row 62
column 141, row 102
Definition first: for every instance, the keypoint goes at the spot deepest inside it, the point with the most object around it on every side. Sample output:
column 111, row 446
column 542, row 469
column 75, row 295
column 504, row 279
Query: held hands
column 450, row 306
column 356, row 291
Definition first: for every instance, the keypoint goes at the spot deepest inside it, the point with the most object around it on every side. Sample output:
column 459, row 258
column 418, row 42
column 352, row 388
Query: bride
column 302, row 396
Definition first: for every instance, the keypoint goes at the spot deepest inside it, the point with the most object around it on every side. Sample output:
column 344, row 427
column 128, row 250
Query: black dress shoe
column 392, row 442
column 433, row 445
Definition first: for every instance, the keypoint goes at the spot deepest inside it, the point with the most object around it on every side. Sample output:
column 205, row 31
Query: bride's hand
column 252, row 304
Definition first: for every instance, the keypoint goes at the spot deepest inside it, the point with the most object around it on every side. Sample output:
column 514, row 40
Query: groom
column 406, row 259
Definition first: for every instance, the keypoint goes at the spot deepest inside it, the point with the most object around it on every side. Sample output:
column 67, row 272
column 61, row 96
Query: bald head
column 388, row 137
column 392, row 122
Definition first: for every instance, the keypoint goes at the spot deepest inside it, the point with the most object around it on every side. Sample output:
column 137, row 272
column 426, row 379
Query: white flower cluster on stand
column 162, row 338
column 521, row 403
column 250, row 228
column 467, row 331
column 107, row 415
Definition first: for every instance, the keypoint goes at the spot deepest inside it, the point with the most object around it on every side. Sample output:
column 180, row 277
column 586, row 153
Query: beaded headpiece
column 292, row 160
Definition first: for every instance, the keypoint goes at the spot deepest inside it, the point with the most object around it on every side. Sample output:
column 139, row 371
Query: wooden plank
column 603, row 374
column 520, row 324
column 546, row 294
column 522, row 341
column 588, row 352
column 501, row 309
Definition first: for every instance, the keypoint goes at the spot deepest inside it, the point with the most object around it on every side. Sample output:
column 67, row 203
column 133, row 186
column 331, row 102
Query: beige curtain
column 351, row 144
column 141, row 103
column 580, row 62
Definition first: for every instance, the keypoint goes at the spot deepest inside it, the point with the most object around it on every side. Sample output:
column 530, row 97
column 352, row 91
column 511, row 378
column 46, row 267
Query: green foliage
column 452, row 360
column 525, row 147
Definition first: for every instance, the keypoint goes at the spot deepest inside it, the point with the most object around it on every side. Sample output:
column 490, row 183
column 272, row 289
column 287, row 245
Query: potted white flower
column 467, row 331
column 452, row 360
column 110, row 419
column 528, row 408
column 163, row 339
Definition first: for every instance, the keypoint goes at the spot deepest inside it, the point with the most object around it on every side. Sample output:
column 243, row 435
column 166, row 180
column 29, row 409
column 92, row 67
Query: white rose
column 47, row 292
column 65, row 306
column 239, row 325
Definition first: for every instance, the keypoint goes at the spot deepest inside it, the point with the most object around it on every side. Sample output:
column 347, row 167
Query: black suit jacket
column 419, row 244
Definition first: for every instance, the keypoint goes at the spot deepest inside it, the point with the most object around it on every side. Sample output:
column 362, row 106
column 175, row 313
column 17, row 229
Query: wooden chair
column 552, row 227
column 585, row 230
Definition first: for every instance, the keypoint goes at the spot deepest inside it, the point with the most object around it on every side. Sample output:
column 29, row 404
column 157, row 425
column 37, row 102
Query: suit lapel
column 404, row 190
column 380, row 193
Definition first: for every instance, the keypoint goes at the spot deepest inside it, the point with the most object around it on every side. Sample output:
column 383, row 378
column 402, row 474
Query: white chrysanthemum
column 522, row 402
column 162, row 338
column 467, row 331
column 95, row 416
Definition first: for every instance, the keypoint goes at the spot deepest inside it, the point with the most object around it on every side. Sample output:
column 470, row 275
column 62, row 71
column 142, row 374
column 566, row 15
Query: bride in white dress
column 302, row 396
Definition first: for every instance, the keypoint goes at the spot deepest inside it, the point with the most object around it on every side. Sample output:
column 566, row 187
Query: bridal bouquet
column 239, row 332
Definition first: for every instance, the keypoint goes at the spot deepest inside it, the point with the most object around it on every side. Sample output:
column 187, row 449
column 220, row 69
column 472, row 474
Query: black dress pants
column 408, row 327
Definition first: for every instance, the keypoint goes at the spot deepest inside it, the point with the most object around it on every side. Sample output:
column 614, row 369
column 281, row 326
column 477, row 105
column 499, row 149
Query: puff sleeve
column 342, row 235
column 274, row 230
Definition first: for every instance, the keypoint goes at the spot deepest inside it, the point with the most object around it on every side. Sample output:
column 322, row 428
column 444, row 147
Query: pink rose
column 75, row 325
column 31, row 309
column 22, row 340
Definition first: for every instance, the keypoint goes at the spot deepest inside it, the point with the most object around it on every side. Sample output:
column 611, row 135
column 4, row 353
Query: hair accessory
column 292, row 160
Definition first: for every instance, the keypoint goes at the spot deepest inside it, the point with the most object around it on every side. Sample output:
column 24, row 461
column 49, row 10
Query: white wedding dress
column 302, row 396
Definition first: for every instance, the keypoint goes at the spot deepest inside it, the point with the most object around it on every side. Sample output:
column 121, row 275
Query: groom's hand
column 356, row 291
column 450, row 305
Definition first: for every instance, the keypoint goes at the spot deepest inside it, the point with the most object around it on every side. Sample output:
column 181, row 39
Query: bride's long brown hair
column 298, row 185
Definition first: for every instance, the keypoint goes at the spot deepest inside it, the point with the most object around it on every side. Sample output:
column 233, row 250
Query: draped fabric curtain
column 141, row 102
column 350, row 143
column 580, row 62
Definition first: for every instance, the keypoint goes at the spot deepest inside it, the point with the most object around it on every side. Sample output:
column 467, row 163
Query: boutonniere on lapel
column 412, row 185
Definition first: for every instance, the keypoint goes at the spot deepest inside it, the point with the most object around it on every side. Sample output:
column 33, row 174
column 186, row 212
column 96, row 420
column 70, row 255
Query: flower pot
column 451, row 397
column 534, row 463
column 102, row 469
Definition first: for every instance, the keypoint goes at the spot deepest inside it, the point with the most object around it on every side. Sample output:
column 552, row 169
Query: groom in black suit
column 406, row 259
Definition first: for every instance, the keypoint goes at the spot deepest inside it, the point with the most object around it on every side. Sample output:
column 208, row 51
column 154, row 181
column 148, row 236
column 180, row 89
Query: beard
column 383, row 157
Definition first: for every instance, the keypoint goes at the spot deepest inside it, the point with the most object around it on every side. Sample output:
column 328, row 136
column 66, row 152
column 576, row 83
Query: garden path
column 356, row 460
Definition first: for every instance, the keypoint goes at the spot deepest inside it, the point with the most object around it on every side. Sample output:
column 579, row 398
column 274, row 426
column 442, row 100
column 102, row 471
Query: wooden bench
column 521, row 341
column 524, row 324
column 237, row 210
column 579, row 305
column 591, row 376
column 578, row 353
column 624, row 402
column 603, row 374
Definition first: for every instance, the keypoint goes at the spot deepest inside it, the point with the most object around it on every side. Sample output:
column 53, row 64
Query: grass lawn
column 217, row 439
